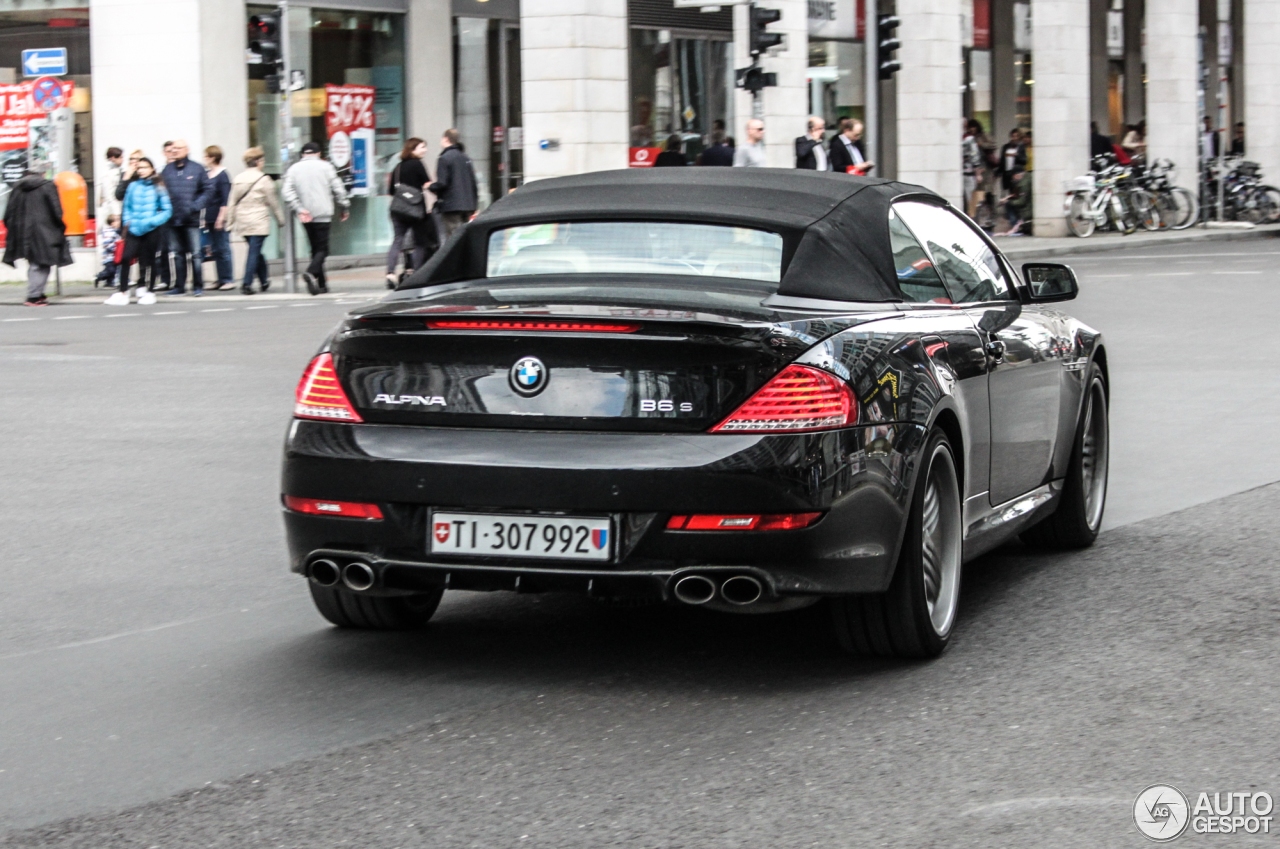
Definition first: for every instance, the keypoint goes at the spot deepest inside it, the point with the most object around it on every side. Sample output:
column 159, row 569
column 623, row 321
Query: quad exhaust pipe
column 325, row 573
column 357, row 576
column 738, row 590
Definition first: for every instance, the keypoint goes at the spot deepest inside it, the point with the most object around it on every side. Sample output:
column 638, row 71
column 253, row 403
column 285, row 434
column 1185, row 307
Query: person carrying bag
column 409, row 209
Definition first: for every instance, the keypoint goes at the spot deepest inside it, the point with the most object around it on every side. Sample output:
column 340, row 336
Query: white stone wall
column 224, row 80
column 1173, row 128
column 1262, row 85
column 1059, row 105
column 575, row 85
column 148, row 74
column 428, row 77
column 930, row 122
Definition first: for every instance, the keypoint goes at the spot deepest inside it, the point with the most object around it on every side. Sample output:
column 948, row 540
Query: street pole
column 871, row 75
column 286, row 147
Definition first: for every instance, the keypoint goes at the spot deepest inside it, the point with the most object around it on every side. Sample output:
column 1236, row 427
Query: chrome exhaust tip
column 741, row 590
column 357, row 576
column 695, row 589
column 325, row 573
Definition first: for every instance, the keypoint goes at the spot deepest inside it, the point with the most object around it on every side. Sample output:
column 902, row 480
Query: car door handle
column 995, row 349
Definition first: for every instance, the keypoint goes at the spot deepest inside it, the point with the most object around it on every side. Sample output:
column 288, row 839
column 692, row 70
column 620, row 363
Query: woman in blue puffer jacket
column 146, row 207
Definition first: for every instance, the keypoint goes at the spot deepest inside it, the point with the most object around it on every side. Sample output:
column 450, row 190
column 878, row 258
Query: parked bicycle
column 1176, row 207
column 1109, row 197
column 1242, row 194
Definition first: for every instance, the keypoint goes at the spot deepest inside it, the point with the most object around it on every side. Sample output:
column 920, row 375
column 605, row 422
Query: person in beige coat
column 250, row 208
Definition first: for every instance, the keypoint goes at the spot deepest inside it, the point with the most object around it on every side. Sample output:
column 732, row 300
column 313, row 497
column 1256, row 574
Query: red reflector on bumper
column 323, row 507
column 742, row 522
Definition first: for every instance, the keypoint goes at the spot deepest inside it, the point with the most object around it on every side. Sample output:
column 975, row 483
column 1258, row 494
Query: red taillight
column 742, row 522
column 322, row 507
column 798, row 398
column 320, row 395
column 530, row 324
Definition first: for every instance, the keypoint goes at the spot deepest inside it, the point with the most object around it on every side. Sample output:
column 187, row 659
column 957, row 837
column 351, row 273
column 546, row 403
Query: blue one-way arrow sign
column 46, row 61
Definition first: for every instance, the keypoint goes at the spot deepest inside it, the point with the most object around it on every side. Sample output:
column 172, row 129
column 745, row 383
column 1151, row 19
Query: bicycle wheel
column 1186, row 206
column 1270, row 203
column 1145, row 210
column 1080, row 217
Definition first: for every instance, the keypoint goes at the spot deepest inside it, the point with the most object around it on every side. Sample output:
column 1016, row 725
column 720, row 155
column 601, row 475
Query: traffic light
column 754, row 79
column 266, row 43
column 760, row 39
column 886, row 44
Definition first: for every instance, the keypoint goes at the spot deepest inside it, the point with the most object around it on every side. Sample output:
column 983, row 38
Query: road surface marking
column 271, row 307
column 172, row 312
column 23, row 319
column 221, row 309
column 69, row 317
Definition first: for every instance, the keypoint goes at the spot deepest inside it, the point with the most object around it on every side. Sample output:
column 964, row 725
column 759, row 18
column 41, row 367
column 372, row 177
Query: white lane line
column 22, row 319
column 304, row 305
column 1172, row 274
column 171, row 312
column 270, row 307
column 1235, row 272
column 220, row 309
column 69, row 317
column 123, row 314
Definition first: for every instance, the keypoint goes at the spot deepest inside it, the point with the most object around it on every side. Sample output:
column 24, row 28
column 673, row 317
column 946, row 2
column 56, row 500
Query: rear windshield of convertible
column 635, row 247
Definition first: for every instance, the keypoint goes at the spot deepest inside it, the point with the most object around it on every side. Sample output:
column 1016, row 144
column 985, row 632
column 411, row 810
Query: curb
column 1117, row 243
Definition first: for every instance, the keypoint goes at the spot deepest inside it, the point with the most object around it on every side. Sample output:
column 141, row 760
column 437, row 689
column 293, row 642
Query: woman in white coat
column 250, row 208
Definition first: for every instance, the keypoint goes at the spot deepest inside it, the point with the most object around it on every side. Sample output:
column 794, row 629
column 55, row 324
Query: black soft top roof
column 835, row 227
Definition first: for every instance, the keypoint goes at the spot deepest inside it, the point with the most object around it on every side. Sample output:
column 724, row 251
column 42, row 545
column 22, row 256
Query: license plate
column 512, row 535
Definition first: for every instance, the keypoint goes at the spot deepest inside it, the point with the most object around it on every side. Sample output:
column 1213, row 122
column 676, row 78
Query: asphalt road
column 166, row 683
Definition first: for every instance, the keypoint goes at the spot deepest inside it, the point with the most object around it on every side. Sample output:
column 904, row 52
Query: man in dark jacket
column 36, row 233
column 1099, row 145
column 1013, row 159
column 845, row 150
column 719, row 153
column 190, row 192
column 810, row 154
column 455, row 185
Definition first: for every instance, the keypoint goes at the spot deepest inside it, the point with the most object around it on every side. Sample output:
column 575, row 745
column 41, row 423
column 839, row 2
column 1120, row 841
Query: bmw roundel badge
column 529, row 376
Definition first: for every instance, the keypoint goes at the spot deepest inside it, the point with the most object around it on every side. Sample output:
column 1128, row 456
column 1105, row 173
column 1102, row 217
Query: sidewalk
column 1034, row 247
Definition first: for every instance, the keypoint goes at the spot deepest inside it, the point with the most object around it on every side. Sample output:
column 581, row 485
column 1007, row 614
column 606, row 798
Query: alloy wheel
column 1094, row 455
column 941, row 540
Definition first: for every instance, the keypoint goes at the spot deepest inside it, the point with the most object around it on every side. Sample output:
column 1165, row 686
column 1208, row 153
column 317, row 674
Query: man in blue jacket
column 190, row 192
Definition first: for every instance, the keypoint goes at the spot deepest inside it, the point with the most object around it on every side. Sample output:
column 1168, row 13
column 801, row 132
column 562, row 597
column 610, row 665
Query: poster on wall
column 350, row 126
column 34, row 133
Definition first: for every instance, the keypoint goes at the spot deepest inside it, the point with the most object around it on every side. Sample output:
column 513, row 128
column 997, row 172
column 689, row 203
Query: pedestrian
column 127, row 176
column 845, row 153
column 1237, row 140
column 810, row 154
column 146, row 208
column 35, row 232
column 455, row 185
column 189, row 191
column 719, row 153
column 1099, row 145
column 751, row 154
column 672, row 154
column 106, row 183
column 162, row 268
column 214, row 236
column 313, row 190
column 408, row 181
column 1135, row 140
column 250, row 207
column 108, row 242
column 971, row 159
column 1013, row 159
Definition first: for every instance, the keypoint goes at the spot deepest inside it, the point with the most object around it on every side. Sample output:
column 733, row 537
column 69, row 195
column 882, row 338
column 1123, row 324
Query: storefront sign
column 350, row 125
column 1022, row 27
column 982, row 24
column 28, row 132
column 832, row 19
column 643, row 157
column 1115, row 34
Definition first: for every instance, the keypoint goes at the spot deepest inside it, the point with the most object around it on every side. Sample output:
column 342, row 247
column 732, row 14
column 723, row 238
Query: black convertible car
column 748, row 389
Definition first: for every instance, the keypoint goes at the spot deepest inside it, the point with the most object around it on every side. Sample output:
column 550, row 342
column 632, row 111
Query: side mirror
column 1049, row 281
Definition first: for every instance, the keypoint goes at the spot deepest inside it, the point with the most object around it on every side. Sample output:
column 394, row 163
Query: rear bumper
column 859, row 478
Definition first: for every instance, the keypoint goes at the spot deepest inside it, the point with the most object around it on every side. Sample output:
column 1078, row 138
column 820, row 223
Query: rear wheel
column 379, row 613
column 1187, row 208
column 915, row 616
column 1080, row 217
column 1076, row 522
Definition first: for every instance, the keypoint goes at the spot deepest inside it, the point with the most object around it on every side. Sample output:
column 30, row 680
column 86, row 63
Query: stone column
column 1172, row 119
column 1135, row 95
column 573, row 58
column 428, row 68
column 786, row 105
column 1262, row 85
column 144, row 95
column 930, row 120
column 1059, row 105
column 1004, row 107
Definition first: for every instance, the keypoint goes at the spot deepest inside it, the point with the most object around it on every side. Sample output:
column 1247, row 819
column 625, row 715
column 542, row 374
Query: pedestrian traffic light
column 886, row 44
column 760, row 38
column 754, row 79
column 266, row 43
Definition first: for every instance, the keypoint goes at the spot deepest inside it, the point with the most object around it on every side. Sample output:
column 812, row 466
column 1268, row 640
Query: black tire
column 1076, row 522
column 378, row 613
column 901, row 622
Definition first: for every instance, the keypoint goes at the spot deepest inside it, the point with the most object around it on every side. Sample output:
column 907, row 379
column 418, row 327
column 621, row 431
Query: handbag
column 406, row 201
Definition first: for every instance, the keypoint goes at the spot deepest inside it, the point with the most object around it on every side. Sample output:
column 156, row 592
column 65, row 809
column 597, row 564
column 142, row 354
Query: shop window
column 680, row 85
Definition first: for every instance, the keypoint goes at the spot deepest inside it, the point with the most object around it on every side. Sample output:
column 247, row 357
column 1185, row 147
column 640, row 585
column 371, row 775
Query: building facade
column 541, row 88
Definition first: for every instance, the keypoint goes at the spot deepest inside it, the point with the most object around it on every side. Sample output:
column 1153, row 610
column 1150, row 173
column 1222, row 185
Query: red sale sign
column 350, row 124
column 18, row 109
column 348, row 108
